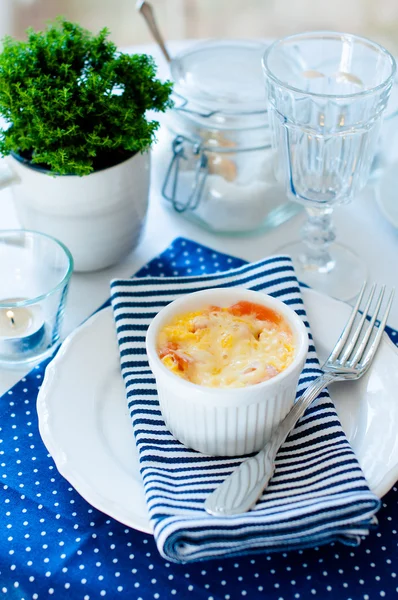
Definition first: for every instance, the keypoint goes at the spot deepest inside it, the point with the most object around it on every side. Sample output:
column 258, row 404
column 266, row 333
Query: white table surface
column 359, row 225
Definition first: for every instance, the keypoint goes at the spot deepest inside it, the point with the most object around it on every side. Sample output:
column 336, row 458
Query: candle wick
column 10, row 315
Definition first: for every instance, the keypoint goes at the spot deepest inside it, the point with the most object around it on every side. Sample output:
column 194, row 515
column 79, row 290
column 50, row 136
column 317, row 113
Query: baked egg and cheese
column 236, row 346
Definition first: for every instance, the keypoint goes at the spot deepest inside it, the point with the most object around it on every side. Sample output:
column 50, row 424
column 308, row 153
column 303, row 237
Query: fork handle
column 239, row 492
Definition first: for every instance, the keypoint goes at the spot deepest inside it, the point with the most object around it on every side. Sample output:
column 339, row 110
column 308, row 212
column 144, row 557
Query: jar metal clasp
column 170, row 185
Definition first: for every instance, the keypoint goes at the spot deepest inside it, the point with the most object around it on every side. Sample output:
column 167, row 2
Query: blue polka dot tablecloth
column 54, row 544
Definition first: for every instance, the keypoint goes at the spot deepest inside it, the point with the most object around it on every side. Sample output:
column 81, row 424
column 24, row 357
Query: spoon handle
column 147, row 12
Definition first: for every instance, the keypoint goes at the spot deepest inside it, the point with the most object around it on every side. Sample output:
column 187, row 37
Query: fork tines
column 361, row 336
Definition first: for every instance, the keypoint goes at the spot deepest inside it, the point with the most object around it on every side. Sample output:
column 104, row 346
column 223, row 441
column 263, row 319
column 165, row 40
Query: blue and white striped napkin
column 318, row 493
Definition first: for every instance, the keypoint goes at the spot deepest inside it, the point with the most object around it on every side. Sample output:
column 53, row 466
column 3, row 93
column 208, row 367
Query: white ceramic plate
column 387, row 194
column 84, row 421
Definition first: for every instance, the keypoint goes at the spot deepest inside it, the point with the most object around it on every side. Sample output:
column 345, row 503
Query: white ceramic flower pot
column 99, row 217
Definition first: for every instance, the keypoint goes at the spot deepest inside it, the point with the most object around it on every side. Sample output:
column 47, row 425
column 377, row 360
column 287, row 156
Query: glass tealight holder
column 35, row 271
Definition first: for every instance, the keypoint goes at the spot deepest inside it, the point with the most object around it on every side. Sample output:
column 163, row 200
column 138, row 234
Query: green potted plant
column 76, row 135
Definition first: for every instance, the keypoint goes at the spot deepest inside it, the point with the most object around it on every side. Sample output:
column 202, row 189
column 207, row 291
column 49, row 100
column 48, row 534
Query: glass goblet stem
column 318, row 234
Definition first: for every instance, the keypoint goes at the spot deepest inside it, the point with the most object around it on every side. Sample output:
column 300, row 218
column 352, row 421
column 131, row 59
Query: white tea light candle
column 15, row 321
column 22, row 328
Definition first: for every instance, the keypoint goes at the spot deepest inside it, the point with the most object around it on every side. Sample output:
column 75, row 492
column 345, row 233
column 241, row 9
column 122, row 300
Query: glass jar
column 215, row 147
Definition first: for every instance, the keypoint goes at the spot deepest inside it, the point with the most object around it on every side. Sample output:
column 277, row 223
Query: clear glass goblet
column 326, row 93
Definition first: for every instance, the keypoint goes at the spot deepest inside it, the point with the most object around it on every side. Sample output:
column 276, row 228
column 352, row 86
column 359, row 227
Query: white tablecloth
column 359, row 225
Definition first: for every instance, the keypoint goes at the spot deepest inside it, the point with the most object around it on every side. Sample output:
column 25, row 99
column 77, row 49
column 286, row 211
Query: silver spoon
column 147, row 12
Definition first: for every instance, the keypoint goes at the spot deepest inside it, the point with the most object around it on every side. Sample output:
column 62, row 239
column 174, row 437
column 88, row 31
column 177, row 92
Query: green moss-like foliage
column 73, row 103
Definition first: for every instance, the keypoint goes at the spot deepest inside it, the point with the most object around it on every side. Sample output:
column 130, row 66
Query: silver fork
column 349, row 360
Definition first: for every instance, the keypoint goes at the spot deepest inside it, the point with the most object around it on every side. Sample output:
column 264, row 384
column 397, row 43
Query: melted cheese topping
column 237, row 346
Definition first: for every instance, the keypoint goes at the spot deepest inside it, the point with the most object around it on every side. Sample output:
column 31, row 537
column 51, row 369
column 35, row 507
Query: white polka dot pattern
column 77, row 534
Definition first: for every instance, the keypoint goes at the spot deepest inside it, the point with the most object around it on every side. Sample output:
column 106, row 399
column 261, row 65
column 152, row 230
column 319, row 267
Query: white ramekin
column 225, row 421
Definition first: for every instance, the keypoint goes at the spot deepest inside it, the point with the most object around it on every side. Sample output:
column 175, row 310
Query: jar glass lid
column 222, row 75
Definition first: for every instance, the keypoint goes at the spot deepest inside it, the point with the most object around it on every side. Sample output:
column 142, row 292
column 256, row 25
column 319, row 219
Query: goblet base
column 341, row 278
